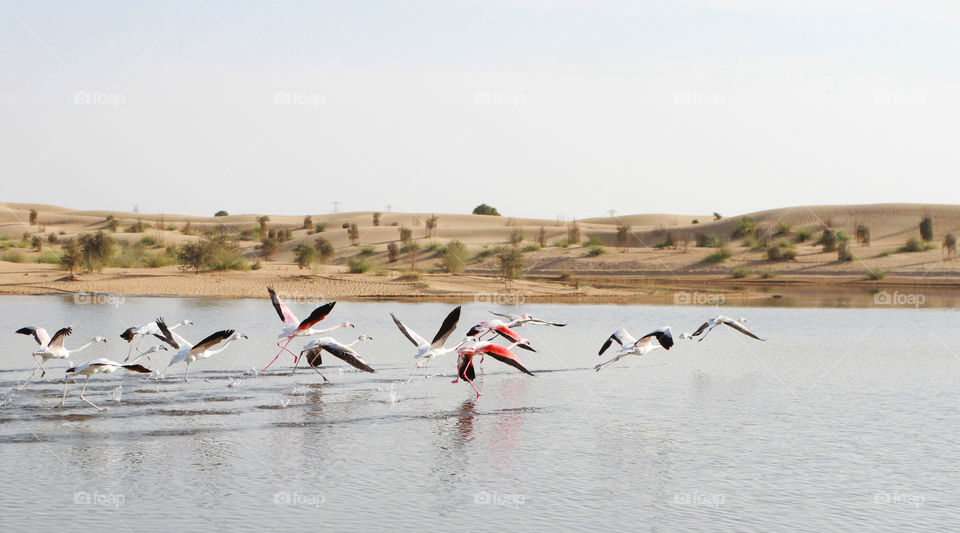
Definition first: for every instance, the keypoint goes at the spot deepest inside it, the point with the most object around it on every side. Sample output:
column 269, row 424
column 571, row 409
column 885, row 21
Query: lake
column 844, row 419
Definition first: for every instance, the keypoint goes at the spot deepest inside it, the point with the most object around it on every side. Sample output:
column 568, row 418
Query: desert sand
column 638, row 269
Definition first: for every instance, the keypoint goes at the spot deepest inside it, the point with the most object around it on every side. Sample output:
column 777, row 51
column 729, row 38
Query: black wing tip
column 473, row 331
column 71, row 370
column 25, row 331
column 127, row 335
column 137, row 368
column 526, row 347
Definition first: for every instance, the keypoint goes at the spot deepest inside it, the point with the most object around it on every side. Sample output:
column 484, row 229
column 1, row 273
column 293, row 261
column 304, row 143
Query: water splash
column 116, row 393
column 284, row 402
column 391, row 394
column 251, row 372
column 299, row 391
column 235, row 383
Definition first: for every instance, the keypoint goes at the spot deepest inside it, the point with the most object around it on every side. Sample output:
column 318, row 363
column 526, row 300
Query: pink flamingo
column 293, row 328
column 465, row 368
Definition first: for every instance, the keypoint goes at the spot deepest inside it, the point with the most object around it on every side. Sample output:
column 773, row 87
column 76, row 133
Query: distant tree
column 33, row 217
column 221, row 213
column 268, row 248
column 406, row 236
column 716, row 216
column 511, row 264
column 308, row 222
column 113, row 224
column 262, row 220
column 376, row 219
column 843, row 252
column 623, row 236
column 36, row 243
column 392, row 252
column 484, row 209
column 71, row 258
column 97, row 249
column 304, row 255
column 192, row 255
column 542, row 237
column 455, row 257
column 828, row 240
column 431, row 225
column 863, row 235
column 950, row 245
column 573, row 234
column 926, row 229
column 187, row 228
column 324, row 248
column 516, row 236
column 354, row 233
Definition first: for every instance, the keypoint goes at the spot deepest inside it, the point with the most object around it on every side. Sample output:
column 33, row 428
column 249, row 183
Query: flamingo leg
column 86, row 400
column 40, row 362
column 610, row 362
column 321, row 375
column 296, row 363
column 24, row 384
column 186, row 375
column 474, row 387
column 282, row 348
column 414, row 372
column 64, row 399
column 705, row 333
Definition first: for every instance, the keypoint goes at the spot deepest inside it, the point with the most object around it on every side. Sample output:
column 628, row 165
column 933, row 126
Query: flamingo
column 515, row 321
column 716, row 321
column 499, row 327
column 144, row 330
column 314, row 351
column 465, row 368
column 661, row 338
column 191, row 352
column 292, row 328
column 51, row 347
column 427, row 351
column 97, row 366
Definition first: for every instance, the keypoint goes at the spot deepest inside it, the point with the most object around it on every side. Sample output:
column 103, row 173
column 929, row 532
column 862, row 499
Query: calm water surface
column 845, row 419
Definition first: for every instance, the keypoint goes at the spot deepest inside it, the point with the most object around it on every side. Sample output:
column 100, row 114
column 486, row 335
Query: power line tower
column 336, row 207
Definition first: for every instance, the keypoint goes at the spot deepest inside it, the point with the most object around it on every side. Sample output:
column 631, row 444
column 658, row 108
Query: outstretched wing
column 741, row 328
column 544, row 323
column 620, row 336
column 59, row 336
column 165, row 334
column 288, row 317
column 510, row 318
column 449, row 324
column 128, row 334
column 314, row 356
column 211, row 341
column 504, row 356
column 511, row 336
column 416, row 339
column 39, row 334
column 317, row 315
column 701, row 329
column 663, row 336
column 347, row 354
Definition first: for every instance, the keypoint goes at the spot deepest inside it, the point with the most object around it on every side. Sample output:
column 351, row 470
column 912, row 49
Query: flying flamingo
column 498, row 327
column 97, row 366
column 293, row 328
column 191, row 352
column 51, row 347
column 708, row 326
column 515, row 321
column 314, row 352
column 661, row 338
column 144, row 330
column 465, row 368
column 427, row 351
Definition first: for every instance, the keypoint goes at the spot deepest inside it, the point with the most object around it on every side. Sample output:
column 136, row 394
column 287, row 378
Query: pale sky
column 540, row 108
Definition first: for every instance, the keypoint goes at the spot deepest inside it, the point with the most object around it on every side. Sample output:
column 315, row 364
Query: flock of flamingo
column 478, row 341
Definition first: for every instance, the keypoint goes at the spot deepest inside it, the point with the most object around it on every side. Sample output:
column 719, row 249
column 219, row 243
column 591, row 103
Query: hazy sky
column 540, row 108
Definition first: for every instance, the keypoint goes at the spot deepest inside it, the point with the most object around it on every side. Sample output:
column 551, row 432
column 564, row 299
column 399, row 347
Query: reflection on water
column 843, row 419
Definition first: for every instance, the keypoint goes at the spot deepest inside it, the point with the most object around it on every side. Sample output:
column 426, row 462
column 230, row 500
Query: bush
column 304, row 255
column 53, row 238
column 516, row 236
column 71, row 258
column 670, row 241
column 783, row 229
column 484, row 209
column 376, row 219
column 149, row 241
column 573, row 235
column 436, row 247
column 768, row 273
column 97, row 250
column 308, row 222
column 594, row 240
column 542, row 237
column 511, row 264
column 707, row 241
column 782, row 251
column 531, row 248
column 49, row 257
column 359, row 265
column 392, row 252
column 562, row 243
column 353, row 232
column 863, row 235
column 406, row 235
column 410, row 275
column 268, row 248
column 36, row 243
column 803, row 235
column 914, row 245
column 11, row 256
column 137, row 227
column 754, row 243
column 877, row 274
column 594, row 251
column 746, row 226
column 367, row 250
column 950, row 244
column 739, row 272
column 455, row 257
column 722, row 254
column 828, row 239
column 33, row 217
column 212, row 253
column 221, row 213
column 843, row 252
column 926, row 229
column 324, row 249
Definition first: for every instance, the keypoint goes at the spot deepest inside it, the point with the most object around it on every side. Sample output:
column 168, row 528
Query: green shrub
column 926, row 229
column 305, row 255
column 455, row 257
column 670, row 241
column 149, row 240
column 594, row 251
column 511, row 264
column 722, row 254
column 562, row 243
column 531, row 248
column 49, row 257
column 484, row 209
column 915, row 245
column 782, row 229
column 594, row 240
column 11, row 256
column 828, row 239
column 768, row 273
column 324, row 249
column 740, row 272
column 359, row 265
column 410, row 275
column 707, row 240
column 877, row 274
column 781, row 251
column 745, row 226
column 367, row 250
column 803, row 235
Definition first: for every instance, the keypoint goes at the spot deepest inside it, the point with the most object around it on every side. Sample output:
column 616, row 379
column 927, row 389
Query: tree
column 623, row 236
column 376, row 219
column 516, row 236
column 542, row 237
column 36, row 243
column 926, row 229
column 717, row 216
column 863, row 235
column 392, row 252
column 113, row 224
column 304, row 255
column 354, row 233
column 431, row 225
column 263, row 226
column 455, row 257
column 406, row 236
column 192, row 255
column 828, row 240
column 33, row 217
column 484, row 209
column 97, row 250
column 573, row 234
column 511, row 264
column 950, row 245
column 308, row 222
column 268, row 247
column 324, row 248
column 221, row 213
column 843, row 252
column 71, row 258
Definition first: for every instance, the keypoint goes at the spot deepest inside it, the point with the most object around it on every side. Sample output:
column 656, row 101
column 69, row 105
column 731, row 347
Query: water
column 845, row 419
